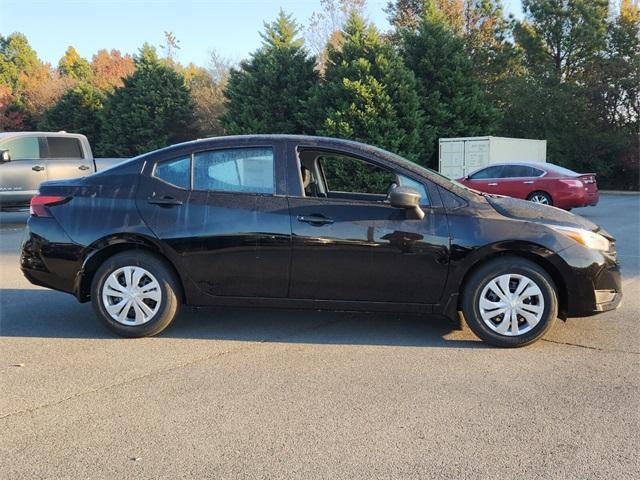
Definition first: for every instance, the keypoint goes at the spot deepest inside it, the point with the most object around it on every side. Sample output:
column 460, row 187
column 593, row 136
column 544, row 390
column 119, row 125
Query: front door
column 230, row 231
column 349, row 243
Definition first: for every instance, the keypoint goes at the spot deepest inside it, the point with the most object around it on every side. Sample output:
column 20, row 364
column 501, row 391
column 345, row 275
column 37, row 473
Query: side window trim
column 270, row 146
column 166, row 160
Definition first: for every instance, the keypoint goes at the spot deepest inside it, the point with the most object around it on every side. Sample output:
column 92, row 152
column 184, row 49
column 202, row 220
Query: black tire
column 542, row 195
column 169, row 303
column 509, row 265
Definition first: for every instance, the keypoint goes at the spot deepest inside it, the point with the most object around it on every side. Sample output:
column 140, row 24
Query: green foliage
column 348, row 175
column 153, row 109
column 78, row 111
column 16, row 57
column 367, row 94
column 72, row 65
column 265, row 94
column 579, row 89
column 562, row 37
column 452, row 100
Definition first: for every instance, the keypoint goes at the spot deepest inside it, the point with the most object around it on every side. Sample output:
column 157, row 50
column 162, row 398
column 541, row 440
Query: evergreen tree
column 77, row 111
column 451, row 97
column 266, row 94
column 153, row 109
column 367, row 93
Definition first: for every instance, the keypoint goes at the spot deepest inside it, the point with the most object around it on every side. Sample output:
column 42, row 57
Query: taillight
column 572, row 183
column 39, row 204
column 588, row 179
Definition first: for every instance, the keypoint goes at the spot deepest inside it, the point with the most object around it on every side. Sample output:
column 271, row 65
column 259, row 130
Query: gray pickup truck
column 29, row 158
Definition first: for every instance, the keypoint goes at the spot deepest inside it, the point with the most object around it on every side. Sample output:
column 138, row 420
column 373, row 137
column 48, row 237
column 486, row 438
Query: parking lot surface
column 239, row 393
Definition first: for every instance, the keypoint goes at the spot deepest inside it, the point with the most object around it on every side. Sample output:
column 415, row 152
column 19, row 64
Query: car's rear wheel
column 510, row 302
column 542, row 198
column 135, row 294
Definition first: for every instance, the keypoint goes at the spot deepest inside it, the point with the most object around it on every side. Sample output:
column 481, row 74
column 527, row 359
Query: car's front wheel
column 135, row 294
column 510, row 302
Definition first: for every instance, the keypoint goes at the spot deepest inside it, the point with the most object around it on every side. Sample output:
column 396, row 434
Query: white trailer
column 460, row 156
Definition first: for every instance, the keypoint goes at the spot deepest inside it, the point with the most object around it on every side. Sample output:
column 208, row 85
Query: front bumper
column 593, row 282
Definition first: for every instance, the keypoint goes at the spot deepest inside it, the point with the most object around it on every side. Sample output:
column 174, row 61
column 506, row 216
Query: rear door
column 66, row 158
column 349, row 243
column 220, row 213
column 517, row 181
column 21, row 176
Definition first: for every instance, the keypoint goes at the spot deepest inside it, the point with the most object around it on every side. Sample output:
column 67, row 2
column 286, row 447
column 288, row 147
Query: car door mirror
column 407, row 198
column 5, row 156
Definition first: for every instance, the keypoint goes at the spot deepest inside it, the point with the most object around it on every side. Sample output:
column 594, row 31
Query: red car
column 539, row 182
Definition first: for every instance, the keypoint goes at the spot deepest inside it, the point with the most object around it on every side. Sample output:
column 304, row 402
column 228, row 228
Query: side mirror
column 5, row 156
column 407, row 198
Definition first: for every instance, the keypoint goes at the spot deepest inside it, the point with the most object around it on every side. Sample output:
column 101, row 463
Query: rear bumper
column 49, row 258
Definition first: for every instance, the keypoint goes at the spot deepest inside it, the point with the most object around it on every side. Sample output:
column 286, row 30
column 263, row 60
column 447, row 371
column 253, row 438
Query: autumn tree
column 152, row 109
column 266, row 93
column 326, row 25
column 110, row 68
column 207, row 87
column 73, row 66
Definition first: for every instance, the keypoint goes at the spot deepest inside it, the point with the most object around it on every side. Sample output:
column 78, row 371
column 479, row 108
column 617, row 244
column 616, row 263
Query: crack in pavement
column 250, row 346
column 589, row 347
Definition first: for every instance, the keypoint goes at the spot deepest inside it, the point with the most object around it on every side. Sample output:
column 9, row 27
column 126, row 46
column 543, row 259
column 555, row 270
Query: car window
column 23, row 148
column 535, row 172
column 64, row 147
column 352, row 175
column 176, row 171
column 247, row 170
column 489, row 172
column 516, row 171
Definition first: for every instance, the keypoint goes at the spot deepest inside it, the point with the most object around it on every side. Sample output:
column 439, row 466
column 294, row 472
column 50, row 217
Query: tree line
column 567, row 72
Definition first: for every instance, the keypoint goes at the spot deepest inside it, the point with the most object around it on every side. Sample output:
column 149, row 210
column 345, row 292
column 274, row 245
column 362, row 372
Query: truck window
column 23, row 148
column 64, row 147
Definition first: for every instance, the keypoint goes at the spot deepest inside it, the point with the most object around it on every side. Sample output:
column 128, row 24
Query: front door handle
column 165, row 201
column 315, row 220
column 37, row 168
column 492, row 184
column 83, row 167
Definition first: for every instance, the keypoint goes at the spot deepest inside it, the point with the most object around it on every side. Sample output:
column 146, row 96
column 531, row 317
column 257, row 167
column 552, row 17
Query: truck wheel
column 135, row 294
column 540, row 197
column 510, row 302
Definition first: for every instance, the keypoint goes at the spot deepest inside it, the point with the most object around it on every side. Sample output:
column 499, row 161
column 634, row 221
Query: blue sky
column 231, row 27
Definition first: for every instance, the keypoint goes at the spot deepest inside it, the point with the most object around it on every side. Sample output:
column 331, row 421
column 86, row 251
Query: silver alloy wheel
column 511, row 304
column 131, row 295
column 539, row 198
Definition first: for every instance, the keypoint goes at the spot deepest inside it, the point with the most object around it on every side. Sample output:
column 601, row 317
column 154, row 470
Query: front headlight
column 584, row 237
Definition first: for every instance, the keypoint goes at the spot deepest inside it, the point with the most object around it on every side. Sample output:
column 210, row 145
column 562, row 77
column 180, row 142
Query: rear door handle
column 492, row 184
column 528, row 182
column 37, row 168
column 84, row 167
column 165, row 201
column 316, row 220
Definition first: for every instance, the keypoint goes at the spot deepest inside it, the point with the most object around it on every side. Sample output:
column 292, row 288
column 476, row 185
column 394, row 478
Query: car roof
column 544, row 166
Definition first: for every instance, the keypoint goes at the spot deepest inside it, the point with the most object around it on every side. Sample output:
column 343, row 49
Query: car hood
column 535, row 212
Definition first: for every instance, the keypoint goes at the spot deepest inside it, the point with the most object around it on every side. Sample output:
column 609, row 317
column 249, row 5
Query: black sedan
column 296, row 221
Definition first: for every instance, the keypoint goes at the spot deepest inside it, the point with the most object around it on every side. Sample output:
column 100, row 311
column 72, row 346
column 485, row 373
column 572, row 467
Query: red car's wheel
column 541, row 197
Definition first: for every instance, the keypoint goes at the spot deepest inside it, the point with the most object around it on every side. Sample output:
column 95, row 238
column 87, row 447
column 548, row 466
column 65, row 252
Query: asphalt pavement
column 240, row 393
